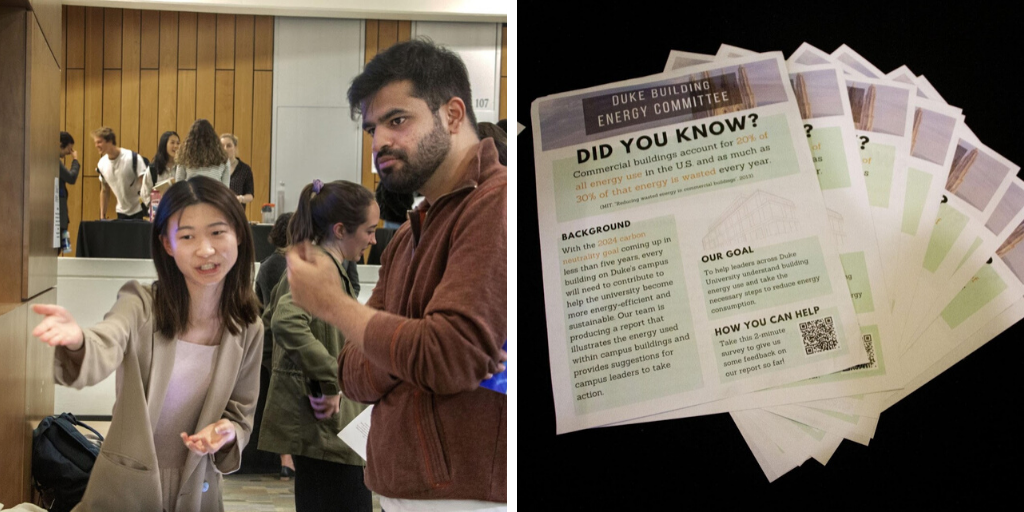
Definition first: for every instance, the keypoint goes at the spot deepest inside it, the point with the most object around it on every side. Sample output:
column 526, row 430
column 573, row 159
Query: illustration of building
column 735, row 84
column 963, row 159
column 862, row 103
column 918, row 115
column 749, row 219
column 803, row 100
column 1011, row 252
column 835, row 221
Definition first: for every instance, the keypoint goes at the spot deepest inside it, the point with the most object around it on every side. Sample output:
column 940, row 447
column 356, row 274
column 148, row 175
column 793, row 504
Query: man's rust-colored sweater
column 435, row 433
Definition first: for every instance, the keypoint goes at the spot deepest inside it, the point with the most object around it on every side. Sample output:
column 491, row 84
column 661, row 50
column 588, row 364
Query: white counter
column 88, row 287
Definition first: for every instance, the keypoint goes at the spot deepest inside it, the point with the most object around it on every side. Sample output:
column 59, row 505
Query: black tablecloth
column 131, row 239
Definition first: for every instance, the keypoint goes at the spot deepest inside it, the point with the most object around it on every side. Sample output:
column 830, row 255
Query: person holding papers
column 163, row 164
column 305, row 409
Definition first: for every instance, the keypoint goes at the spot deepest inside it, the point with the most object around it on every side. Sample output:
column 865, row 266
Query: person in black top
column 241, row 173
column 497, row 133
column 394, row 206
column 67, row 147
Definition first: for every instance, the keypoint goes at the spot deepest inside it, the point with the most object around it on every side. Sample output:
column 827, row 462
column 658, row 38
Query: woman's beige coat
column 126, row 476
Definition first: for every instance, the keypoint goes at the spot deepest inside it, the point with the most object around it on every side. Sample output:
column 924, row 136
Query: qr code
column 819, row 336
column 869, row 346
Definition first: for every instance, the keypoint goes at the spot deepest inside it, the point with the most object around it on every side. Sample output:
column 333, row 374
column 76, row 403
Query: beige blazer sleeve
column 105, row 342
column 241, row 407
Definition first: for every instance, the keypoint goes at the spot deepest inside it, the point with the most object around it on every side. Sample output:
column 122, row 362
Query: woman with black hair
column 163, row 164
column 186, row 350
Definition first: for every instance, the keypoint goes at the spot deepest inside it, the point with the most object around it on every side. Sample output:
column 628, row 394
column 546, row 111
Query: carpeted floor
column 263, row 493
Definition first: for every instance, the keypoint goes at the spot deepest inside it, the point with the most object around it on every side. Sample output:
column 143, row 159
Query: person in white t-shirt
column 120, row 174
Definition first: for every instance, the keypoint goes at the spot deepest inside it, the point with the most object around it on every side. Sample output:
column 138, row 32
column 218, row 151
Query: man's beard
column 412, row 175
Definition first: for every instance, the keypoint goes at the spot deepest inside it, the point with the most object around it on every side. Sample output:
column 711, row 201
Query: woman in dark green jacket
column 305, row 409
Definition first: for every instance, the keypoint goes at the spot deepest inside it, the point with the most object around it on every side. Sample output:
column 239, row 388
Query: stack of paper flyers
column 800, row 243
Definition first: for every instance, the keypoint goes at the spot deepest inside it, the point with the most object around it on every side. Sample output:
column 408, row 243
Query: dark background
column 955, row 441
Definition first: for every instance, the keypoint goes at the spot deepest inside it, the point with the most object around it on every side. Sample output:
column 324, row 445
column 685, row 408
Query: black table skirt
column 131, row 239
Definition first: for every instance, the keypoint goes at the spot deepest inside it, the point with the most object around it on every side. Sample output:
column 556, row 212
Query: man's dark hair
column 394, row 206
column 65, row 139
column 279, row 233
column 437, row 75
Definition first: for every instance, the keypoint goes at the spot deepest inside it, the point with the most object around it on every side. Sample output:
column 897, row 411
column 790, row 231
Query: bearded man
column 435, row 325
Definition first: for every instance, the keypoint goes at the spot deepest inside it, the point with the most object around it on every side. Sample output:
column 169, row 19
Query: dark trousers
column 322, row 485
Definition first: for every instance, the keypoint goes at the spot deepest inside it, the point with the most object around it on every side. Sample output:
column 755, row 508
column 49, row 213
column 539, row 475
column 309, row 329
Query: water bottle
column 280, row 200
column 154, row 201
column 268, row 213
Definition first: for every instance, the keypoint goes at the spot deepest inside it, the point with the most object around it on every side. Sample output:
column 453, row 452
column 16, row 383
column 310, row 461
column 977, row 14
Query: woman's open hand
column 211, row 438
column 58, row 328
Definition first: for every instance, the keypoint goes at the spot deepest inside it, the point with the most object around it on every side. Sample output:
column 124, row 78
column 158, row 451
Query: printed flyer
column 981, row 203
column 931, row 154
column 994, row 288
column 687, row 255
column 881, row 113
column 821, row 97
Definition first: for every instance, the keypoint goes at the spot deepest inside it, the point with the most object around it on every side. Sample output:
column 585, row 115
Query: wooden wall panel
column 167, row 119
column 502, row 114
column 112, row 38
column 187, row 40
column 39, row 266
column 91, row 200
column 186, row 100
column 206, row 65
column 503, row 99
column 372, row 27
column 13, row 141
column 243, row 85
column 404, row 31
column 263, row 106
column 387, row 34
column 168, row 69
column 93, row 84
column 150, row 39
column 12, row 403
column 63, row 61
column 149, row 104
column 130, row 67
column 38, row 370
column 223, row 117
column 112, row 101
column 367, row 177
column 76, row 37
column 263, row 59
column 225, row 41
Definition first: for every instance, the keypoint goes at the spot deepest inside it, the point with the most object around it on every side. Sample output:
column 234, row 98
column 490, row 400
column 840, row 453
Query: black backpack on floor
column 62, row 459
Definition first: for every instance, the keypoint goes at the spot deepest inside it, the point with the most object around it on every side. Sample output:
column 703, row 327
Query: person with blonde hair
column 202, row 155
column 120, row 171
column 241, row 173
